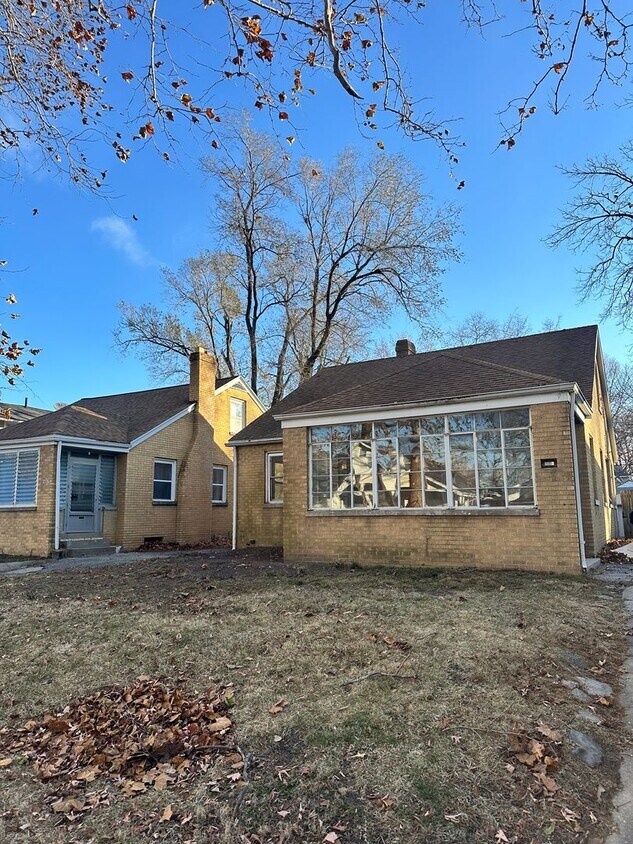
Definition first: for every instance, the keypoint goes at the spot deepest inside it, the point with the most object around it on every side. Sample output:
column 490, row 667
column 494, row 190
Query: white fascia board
column 265, row 441
column 180, row 415
column 493, row 401
column 238, row 381
column 75, row 442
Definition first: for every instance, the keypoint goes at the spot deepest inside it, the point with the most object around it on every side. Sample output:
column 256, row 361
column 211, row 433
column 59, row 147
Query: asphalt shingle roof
column 119, row 418
column 555, row 357
column 20, row 413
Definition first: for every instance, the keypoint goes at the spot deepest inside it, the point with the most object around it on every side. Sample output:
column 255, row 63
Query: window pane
column 489, row 458
column 517, row 439
column 464, row 497
column 489, row 439
column 408, row 428
column 8, row 466
column 27, row 477
column 361, row 430
column 162, row 471
column 435, row 492
column 520, row 496
column 463, row 422
column 434, row 451
column 435, row 499
column 386, row 429
column 320, row 472
column 410, row 472
column 519, row 477
column 517, row 457
column 341, row 433
column 362, row 474
column 491, row 477
column 487, row 421
column 162, row 491
column 237, row 415
column 462, row 451
column 519, row 418
column 432, row 425
column 321, row 500
column 491, row 496
column 463, row 470
column 387, row 472
column 320, row 434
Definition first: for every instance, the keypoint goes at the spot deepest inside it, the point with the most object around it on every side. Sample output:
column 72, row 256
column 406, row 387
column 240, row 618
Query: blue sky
column 81, row 254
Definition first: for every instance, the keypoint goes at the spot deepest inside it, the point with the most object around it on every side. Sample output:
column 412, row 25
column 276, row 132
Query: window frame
column 446, row 435
column 268, row 497
column 166, row 462
column 225, row 484
column 242, row 403
column 22, row 505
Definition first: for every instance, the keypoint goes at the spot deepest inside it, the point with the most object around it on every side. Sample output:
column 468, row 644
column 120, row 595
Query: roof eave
column 524, row 391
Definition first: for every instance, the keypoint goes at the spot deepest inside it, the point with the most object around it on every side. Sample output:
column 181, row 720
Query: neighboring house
column 12, row 413
column 496, row 455
column 151, row 465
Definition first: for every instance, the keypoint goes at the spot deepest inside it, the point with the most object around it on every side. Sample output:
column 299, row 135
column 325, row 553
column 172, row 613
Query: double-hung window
column 218, row 485
column 18, row 477
column 274, row 478
column 466, row 460
column 164, row 480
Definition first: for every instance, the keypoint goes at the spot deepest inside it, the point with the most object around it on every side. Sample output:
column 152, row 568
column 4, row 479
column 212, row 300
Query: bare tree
column 479, row 328
column 312, row 263
column 373, row 244
column 13, row 352
column 73, row 72
column 599, row 221
column 620, row 385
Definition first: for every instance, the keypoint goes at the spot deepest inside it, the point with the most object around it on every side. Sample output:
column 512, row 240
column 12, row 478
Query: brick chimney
column 202, row 367
column 404, row 348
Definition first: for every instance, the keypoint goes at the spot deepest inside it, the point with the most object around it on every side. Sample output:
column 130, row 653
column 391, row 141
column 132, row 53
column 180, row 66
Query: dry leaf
column 278, row 707
column 331, row 838
column 167, row 814
column 500, row 836
column 4, row 763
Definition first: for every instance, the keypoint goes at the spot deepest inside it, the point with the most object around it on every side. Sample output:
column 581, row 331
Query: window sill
column 164, row 503
column 273, row 505
column 11, row 507
column 219, row 504
column 453, row 513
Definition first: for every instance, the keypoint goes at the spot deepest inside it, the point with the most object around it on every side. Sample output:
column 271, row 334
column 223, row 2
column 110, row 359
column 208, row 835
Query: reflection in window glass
column 460, row 460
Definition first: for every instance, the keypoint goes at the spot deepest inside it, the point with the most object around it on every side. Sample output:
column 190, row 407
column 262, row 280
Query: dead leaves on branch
column 148, row 735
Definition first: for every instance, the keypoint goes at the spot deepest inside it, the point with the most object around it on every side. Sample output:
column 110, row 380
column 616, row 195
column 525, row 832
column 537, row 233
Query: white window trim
column 225, row 481
column 448, row 507
column 24, row 505
column 270, row 454
column 166, row 462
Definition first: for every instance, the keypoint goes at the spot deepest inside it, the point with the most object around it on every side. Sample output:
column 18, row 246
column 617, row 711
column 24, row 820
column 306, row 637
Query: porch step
column 92, row 546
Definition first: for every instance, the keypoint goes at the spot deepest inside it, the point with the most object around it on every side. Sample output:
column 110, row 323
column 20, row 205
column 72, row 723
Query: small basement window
column 164, row 480
column 274, row 478
column 218, row 486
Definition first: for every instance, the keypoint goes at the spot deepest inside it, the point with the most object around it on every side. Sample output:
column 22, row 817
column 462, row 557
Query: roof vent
column 404, row 348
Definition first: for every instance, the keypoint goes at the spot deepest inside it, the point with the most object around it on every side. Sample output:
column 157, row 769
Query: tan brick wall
column 598, row 512
column 258, row 523
column 32, row 531
column 544, row 542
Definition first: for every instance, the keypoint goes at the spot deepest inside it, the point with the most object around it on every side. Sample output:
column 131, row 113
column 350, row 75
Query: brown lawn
column 399, row 688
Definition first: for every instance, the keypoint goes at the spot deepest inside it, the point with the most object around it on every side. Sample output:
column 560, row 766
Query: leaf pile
column 609, row 553
column 214, row 541
column 540, row 755
column 147, row 734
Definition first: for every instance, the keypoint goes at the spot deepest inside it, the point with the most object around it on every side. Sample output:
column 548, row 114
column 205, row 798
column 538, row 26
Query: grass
column 389, row 760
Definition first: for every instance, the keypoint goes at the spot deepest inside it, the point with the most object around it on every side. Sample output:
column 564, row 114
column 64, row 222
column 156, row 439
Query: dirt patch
column 356, row 750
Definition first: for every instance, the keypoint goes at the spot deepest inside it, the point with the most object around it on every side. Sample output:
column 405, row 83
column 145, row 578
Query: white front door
column 82, row 495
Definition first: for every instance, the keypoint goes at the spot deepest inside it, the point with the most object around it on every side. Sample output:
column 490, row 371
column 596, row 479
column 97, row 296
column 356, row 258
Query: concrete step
column 90, row 551
column 16, row 565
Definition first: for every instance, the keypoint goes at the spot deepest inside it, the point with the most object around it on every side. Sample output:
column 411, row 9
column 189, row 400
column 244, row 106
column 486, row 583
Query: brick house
column 118, row 470
column 496, row 455
column 10, row 414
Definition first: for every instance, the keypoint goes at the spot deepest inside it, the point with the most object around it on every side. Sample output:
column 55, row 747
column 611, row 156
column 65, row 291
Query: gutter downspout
column 57, row 492
column 574, row 452
column 234, row 529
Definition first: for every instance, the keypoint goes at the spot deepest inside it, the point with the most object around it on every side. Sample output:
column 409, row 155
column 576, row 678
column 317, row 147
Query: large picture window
column 18, row 477
column 454, row 461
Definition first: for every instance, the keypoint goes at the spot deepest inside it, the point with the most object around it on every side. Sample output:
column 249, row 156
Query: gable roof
column 20, row 413
column 521, row 363
column 119, row 418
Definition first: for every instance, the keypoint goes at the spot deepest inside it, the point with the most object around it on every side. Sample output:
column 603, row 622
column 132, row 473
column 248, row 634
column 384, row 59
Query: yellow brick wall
column 258, row 523
column 31, row 532
column 599, row 522
column 544, row 542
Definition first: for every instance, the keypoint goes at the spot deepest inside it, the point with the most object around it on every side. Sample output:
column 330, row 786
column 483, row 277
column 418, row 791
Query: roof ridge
column 536, row 376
